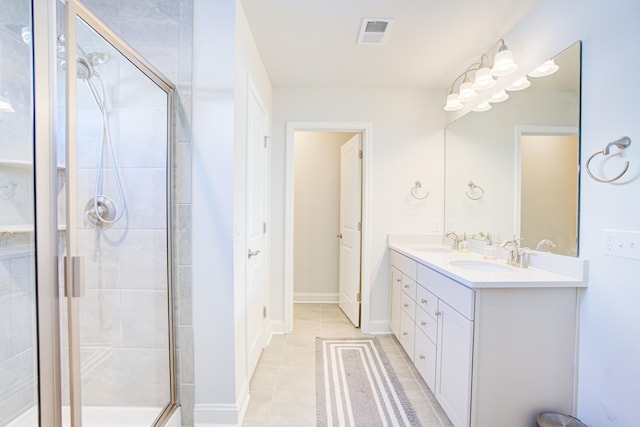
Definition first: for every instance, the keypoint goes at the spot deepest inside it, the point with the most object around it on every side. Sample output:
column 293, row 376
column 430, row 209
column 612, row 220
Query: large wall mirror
column 512, row 172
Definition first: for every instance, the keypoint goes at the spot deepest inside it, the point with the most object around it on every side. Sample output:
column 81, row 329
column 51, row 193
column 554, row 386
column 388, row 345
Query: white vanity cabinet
column 493, row 355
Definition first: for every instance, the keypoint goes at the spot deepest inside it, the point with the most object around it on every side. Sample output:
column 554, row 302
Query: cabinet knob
column 438, row 313
column 424, row 301
column 423, row 323
column 405, row 334
column 421, row 357
column 399, row 280
column 406, row 286
column 405, row 305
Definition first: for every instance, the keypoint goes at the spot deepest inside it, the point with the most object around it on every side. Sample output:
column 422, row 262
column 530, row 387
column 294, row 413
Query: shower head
column 84, row 69
column 85, row 63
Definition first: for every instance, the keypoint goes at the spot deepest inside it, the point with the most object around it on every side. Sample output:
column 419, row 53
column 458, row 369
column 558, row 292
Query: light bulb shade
column 549, row 67
column 499, row 97
column 467, row 93
column 484, row 79
column 482, row 107
column 520, row 84
column 5, row 105
column 503, row 63
column 453, row 103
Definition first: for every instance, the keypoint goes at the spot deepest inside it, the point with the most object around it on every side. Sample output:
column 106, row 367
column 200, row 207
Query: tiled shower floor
column 283, row 389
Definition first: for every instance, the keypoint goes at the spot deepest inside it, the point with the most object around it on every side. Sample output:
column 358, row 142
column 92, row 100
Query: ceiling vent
column 374, row 30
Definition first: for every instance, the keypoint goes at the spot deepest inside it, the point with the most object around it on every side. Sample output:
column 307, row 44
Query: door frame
column 364, row 128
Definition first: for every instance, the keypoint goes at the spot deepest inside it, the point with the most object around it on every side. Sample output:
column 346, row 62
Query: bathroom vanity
column 496, row 344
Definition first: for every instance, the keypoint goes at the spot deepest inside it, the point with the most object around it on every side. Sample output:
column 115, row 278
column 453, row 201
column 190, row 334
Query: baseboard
column 315, row 297
column 379, row 327
column 277, row 327
column 215, row 415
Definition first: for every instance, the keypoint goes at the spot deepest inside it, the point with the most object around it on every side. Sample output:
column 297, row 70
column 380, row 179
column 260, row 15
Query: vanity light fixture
column 503, row 63
column 520, row 84
column 467, row 92
column 484, row 79
column 453, row 103
column 486, row 71
column 499, row 97
column 546, row 69
column 5, row 105
column 482, row 107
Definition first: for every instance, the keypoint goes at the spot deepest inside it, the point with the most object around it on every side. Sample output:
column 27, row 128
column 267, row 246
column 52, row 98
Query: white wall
column 224, row 56
column 406, row 145
column 609, row 372
column 317, row 215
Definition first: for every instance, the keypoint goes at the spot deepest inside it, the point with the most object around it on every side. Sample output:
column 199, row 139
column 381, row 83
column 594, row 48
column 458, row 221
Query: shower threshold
column 103, row 416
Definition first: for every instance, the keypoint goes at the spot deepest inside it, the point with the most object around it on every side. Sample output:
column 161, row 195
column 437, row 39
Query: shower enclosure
column 86, row 295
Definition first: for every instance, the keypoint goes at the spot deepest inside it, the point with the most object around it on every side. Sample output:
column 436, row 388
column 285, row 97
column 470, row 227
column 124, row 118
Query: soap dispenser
column 464, row 245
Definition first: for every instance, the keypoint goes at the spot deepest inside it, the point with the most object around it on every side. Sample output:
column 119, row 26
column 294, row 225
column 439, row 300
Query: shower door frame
column 46, row 183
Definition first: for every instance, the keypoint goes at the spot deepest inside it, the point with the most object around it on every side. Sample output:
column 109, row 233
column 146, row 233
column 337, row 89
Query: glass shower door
column 118, row 310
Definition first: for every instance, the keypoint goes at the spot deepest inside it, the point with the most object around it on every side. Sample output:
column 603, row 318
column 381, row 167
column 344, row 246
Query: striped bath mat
column 356, row 386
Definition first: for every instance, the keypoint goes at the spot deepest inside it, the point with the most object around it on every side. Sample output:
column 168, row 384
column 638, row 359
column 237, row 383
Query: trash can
column 553, row 419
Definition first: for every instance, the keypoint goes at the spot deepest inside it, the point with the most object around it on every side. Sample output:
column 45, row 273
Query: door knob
column 252, row 253
column 339, row 236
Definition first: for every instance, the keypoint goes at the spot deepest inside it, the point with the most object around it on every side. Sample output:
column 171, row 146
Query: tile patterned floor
column 283, row 389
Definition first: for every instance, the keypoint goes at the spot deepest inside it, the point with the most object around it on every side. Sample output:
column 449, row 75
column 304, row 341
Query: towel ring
column 474, row 189
column 622, row 144
column 414, row 191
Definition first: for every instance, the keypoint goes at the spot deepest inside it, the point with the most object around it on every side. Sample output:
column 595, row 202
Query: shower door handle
column 252, row 253
column 74, row 285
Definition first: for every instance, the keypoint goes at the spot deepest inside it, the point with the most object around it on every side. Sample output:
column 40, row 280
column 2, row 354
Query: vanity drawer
column 407, row 334
column 453, row 293
column 409, row 287
column 404, row 264
column 425, row 359
column 427, row 324
column 427, row 301
column 408, row 306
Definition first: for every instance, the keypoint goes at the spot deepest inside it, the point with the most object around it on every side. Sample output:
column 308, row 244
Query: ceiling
column 312, row 43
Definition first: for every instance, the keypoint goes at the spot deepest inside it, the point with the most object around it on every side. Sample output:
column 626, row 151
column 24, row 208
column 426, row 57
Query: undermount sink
column 432, row 249
column 477, row 265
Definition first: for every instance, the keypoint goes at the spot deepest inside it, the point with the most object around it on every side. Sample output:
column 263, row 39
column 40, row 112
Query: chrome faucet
column 455, row 244
column 517, row 256
column 514, row 253
column 545, row 243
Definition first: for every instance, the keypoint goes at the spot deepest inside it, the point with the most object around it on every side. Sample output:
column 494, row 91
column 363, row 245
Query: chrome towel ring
column 475, row 191
column 622, row 143
column 415, row 189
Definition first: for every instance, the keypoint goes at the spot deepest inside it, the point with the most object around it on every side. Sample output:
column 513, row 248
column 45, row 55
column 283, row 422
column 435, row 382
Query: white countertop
column 511, row 277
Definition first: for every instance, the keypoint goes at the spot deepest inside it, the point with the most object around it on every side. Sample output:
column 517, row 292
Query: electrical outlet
column 621, row 243
column 435, row 226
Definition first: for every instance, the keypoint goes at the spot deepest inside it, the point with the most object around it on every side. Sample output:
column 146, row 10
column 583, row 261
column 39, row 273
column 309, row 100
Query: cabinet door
column 396, row 291
column 407, row 334
column 453, row 371
column 425, row 358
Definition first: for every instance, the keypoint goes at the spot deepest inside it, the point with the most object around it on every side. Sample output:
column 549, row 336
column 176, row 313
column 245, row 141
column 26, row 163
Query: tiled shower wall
column 17, row 282
column 161, row 31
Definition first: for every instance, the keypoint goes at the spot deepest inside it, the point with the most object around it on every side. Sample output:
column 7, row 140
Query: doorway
column 312, row 243
column 547, row 182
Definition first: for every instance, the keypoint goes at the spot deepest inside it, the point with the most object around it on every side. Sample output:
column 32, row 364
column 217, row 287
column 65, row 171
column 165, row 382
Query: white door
column 256, row 230
column 350, row 228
